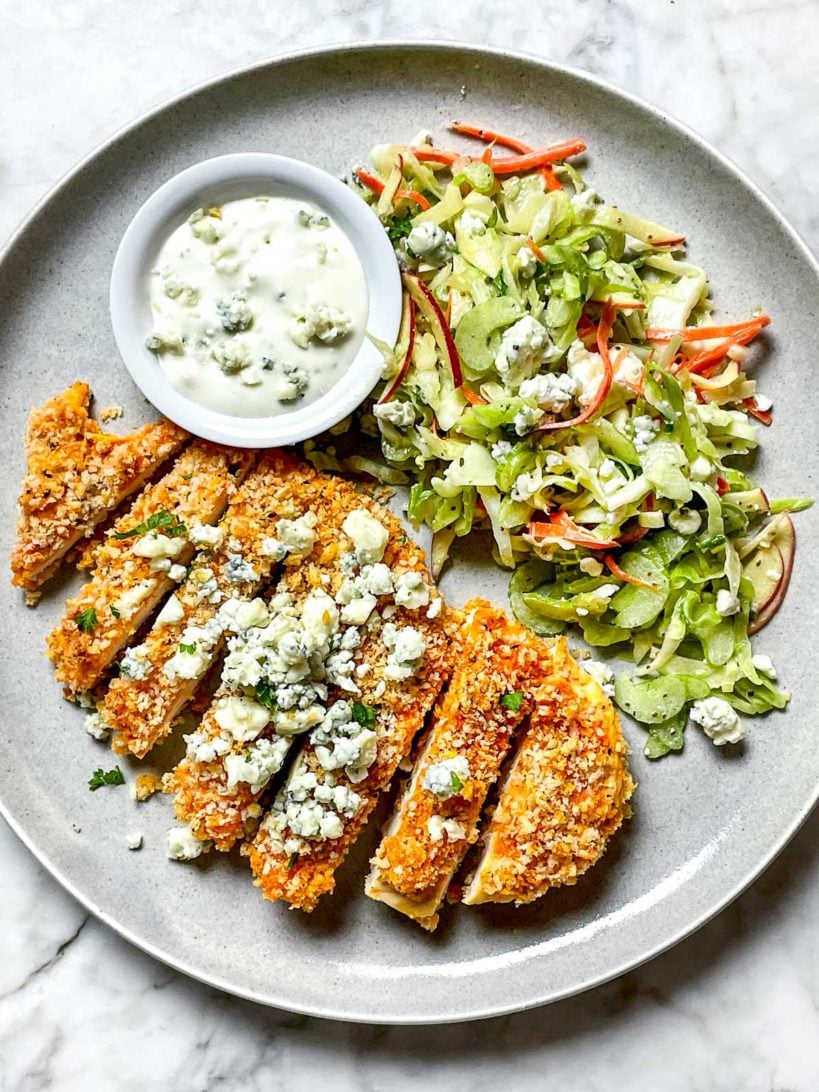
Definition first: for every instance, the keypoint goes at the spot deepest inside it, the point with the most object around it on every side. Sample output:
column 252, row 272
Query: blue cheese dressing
column 259, row 306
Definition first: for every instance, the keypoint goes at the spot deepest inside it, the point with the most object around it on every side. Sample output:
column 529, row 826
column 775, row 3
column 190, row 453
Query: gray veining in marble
column 734, row 1007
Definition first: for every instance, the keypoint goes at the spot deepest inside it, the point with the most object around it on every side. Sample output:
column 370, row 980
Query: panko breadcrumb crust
column 203, row 798
column 411, row 868
column 196, row 489
column 75, row 476
column 402, row 709
column 565, row 795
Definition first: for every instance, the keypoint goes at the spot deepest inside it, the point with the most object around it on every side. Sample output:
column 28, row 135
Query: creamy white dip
column 259, row 306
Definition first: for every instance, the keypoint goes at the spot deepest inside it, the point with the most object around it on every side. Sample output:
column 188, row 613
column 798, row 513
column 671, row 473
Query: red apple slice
column 434, row 316
column 750, row 500
column 407, row 334
column 769, row 570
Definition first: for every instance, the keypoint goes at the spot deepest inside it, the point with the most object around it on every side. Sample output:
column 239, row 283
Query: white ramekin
column 211, row 183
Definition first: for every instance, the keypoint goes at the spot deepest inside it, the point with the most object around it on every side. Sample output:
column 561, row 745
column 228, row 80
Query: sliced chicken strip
column 565, row 795
column 436, row 819
column 132, row 564
column 185, row 639
column 404, row 659
column 76, row 476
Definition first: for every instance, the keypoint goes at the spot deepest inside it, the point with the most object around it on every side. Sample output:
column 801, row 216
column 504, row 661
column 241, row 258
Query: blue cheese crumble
column 135, row 663
column 439, row 779
column 341, row 743
column 183, row 845
column 718, row 720
column 368, row 536
column 406, row 648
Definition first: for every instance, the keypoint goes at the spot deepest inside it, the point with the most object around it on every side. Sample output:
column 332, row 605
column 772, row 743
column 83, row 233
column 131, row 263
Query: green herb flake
column 188, row 648
column 513, row 701
column 500, row 284
column 364, row 714
column 114, row 611
column 456, row 782
column 398, row 229
column 291, row 861
column 266, row 694
column 86, row 620
column 168, row 523
column 102, row 777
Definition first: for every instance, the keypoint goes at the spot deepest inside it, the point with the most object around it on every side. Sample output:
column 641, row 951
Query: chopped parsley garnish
column 364, row 714
column 398, row 229
column 266, row 694
column 168, row 523
column 102, row 777
column 86, row 620
column 291, row 861
column 187, row 648
column 513, row 701
column 457, row 784
column 114, row 611
column 500, row 284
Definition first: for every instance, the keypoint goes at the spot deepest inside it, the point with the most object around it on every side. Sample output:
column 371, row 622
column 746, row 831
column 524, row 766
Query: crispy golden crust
column 203, row 798
column 145, row 785
column 142, row 711
column 197, row 489
column 77, row 475
column 402, row 708
column 414, row 863
column 565, row 795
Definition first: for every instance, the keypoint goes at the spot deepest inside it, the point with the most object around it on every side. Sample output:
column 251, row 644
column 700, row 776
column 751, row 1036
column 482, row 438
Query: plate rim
column 385, row 45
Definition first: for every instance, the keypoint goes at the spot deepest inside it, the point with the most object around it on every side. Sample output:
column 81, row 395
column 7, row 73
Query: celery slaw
column 558, row 379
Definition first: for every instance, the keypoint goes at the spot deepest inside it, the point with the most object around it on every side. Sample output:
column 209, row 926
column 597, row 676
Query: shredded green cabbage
column 523, row 273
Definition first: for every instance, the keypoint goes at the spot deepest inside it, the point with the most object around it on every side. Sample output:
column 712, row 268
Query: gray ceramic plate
column 705, row 823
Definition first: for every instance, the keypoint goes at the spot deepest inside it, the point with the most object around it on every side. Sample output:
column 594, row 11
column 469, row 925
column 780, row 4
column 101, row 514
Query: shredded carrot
column 765, row 416
column 434, row 155
column 526, row 161
column 706, row 333
column 561, row 525
column 473, row 397
column 621, row 574
column 369, row 180
column 535, row 249
column 603, row 335
column 540, row 157
column 413, row 195
column 550, row 178
column 377, row 186
column 490, row 136
column 703, row 362
column 547, row 173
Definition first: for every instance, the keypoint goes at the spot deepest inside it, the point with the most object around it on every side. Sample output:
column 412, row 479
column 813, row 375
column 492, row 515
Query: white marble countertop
column 734, row 1007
